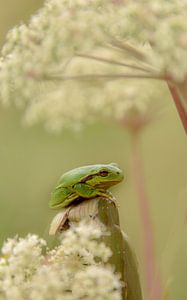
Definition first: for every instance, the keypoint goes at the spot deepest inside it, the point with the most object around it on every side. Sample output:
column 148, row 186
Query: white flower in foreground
column 96, row 283
column 51, row 282
column 20, row 259
column 27, row 274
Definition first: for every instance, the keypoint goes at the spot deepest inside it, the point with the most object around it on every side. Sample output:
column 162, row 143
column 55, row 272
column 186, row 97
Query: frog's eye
column 103, row 173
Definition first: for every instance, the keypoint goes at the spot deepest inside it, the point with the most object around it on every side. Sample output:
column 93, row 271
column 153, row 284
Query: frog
column 85, row 182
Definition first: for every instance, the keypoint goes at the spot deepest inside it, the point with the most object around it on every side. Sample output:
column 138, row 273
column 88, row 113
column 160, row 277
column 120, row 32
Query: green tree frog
column 84, row 183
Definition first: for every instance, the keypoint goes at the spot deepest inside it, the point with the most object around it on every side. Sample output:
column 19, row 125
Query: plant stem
column 105, row 211
column 123, row 255
column 153, row 280
column 179, row 105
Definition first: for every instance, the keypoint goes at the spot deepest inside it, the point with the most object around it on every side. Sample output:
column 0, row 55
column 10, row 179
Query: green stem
column 123, row 257
column 105, row 211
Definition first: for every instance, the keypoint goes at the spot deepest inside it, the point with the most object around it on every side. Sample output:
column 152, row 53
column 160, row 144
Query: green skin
column 85, row 183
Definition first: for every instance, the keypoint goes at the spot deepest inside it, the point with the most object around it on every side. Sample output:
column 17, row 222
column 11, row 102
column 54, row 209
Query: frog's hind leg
column 62, row 197
column 71, row 198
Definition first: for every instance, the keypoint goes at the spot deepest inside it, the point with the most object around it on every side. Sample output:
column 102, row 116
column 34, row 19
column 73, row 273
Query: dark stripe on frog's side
column 104, row 185
column 91, row 176
column 87, row 178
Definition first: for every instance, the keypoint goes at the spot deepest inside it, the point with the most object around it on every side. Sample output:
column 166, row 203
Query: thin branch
column 130, row 49
column 111, row 61
column 88, row 77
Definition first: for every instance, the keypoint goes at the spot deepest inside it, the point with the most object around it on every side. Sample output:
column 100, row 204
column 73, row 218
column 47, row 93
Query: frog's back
column 76, row 175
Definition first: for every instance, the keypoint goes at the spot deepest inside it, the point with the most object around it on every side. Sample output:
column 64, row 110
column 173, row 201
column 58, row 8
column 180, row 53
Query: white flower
column 70, row 64
column 26, row 274
column 96, row 283
column 80, row 246
column 50, row 282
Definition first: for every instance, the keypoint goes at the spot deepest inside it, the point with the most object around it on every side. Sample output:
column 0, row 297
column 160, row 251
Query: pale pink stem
column 153, row 280
column 178, row 103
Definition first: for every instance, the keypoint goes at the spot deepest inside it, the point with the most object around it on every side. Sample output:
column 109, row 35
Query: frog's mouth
column 105, row 185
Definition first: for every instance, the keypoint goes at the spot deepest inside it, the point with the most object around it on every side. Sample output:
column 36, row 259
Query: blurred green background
column 31, row 161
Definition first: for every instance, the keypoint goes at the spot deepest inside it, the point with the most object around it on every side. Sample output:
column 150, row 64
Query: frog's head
column 106, row 175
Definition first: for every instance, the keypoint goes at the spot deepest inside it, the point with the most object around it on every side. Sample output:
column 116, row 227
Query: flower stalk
column 153, row 280
column 179, row 105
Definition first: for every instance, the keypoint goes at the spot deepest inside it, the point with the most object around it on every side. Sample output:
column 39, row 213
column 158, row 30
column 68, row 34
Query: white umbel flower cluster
column 76, row 269
column 70, row 64
column 20, row 259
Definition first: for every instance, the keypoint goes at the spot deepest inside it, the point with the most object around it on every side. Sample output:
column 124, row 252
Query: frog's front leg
column 87, row 191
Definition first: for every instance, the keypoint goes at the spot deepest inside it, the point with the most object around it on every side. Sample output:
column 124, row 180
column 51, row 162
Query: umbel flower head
column 76, row 269
column 70, row 64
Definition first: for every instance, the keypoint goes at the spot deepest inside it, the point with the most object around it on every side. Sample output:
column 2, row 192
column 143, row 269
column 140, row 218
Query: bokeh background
column 31, row 161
